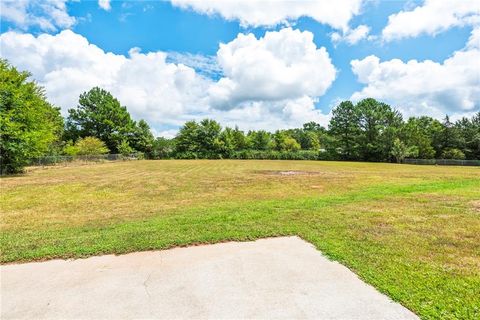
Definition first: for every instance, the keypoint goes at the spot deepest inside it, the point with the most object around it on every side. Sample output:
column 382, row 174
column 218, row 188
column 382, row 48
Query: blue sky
column 184, row 34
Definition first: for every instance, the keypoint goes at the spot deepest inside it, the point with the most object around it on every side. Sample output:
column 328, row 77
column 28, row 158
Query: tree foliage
column 202, row 140
column 142, row 138
column 162, row 148
column 379, row 125
column 421, row 132
column 469, row 131
column 366, row 131
column 260, row 140
column 29, row 125
column 124, row 148
column 344, row 126
column 100, row 115
column 400, row 150
column 453, row 153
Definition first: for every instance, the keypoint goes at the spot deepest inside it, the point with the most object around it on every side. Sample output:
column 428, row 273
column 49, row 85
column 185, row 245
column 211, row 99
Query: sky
column 270, row 64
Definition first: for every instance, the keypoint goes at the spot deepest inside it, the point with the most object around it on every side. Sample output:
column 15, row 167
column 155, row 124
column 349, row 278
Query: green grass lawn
column 413, row 232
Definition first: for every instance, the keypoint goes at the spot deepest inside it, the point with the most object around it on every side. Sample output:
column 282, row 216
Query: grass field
column 413, row 232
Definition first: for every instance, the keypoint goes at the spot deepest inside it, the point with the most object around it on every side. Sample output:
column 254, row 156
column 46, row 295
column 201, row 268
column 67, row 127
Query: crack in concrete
column 145, row 285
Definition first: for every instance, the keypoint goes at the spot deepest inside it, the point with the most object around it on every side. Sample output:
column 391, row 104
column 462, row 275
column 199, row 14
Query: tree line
column 369, row 130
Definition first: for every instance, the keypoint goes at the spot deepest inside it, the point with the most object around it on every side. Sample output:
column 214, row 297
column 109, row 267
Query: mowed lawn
column 413, row 232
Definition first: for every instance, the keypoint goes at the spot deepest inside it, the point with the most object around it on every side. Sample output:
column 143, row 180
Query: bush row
column 257, row 155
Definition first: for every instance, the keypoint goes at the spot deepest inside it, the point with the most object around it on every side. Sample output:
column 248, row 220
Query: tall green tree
column 313, row 126
column 100, row 115
column 200, row 139
column 208, row 138
column 311, row 140
column 279, row 138
column 469, row 131
column 448, row 138
column 260, row 140
column 142, row 138
column 186, row 139
column 379, row 126
column 420, row 132
column 227, row 142
column 240, row 141
column 282, row 141
column 29, row 125
column 344, row 126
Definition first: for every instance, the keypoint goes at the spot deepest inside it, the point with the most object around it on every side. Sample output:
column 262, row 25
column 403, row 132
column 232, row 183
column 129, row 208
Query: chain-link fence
column 443, row 162
column 79, row 159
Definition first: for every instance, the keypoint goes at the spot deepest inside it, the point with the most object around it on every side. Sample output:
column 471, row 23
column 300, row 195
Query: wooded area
column 369, row 130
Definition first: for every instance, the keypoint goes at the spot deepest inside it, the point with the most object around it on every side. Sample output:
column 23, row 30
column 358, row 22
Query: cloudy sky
column 258, row 64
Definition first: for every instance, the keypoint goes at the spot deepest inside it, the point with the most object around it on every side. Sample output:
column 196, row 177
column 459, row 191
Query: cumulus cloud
column 474, row 40
column 48, row 15
column 256, row 13
column 282, row 65
column 166, row 93
column 272, row 115
column 431, row 18
column 104, row 4
column 351, row 36
column 424, row 87
column 66, row 64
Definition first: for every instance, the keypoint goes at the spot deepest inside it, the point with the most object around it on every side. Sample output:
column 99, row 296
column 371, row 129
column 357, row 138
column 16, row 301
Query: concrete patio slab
column 270, row 278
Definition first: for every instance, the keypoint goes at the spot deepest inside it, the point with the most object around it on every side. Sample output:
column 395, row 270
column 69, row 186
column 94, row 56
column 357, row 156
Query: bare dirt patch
column 288, row 173
column 476, row 205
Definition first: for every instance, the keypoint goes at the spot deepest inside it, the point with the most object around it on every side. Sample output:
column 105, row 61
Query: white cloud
column 271, row 115
column 433, row 17
column 282, row 65
column 474, row 40
column 104, row 4
column 48, row 15
column 424, row 87
column 167, row 94
column 274, row 12
column 351, row 36
column 67, row 65
column 170, row 133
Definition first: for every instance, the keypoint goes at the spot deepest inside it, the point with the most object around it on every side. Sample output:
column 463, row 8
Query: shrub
column 276, row 155
column 453, row 153
column 124, row 148
column 70, row 149
column 291, row 144
column 186, row 155
column 91, row 146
